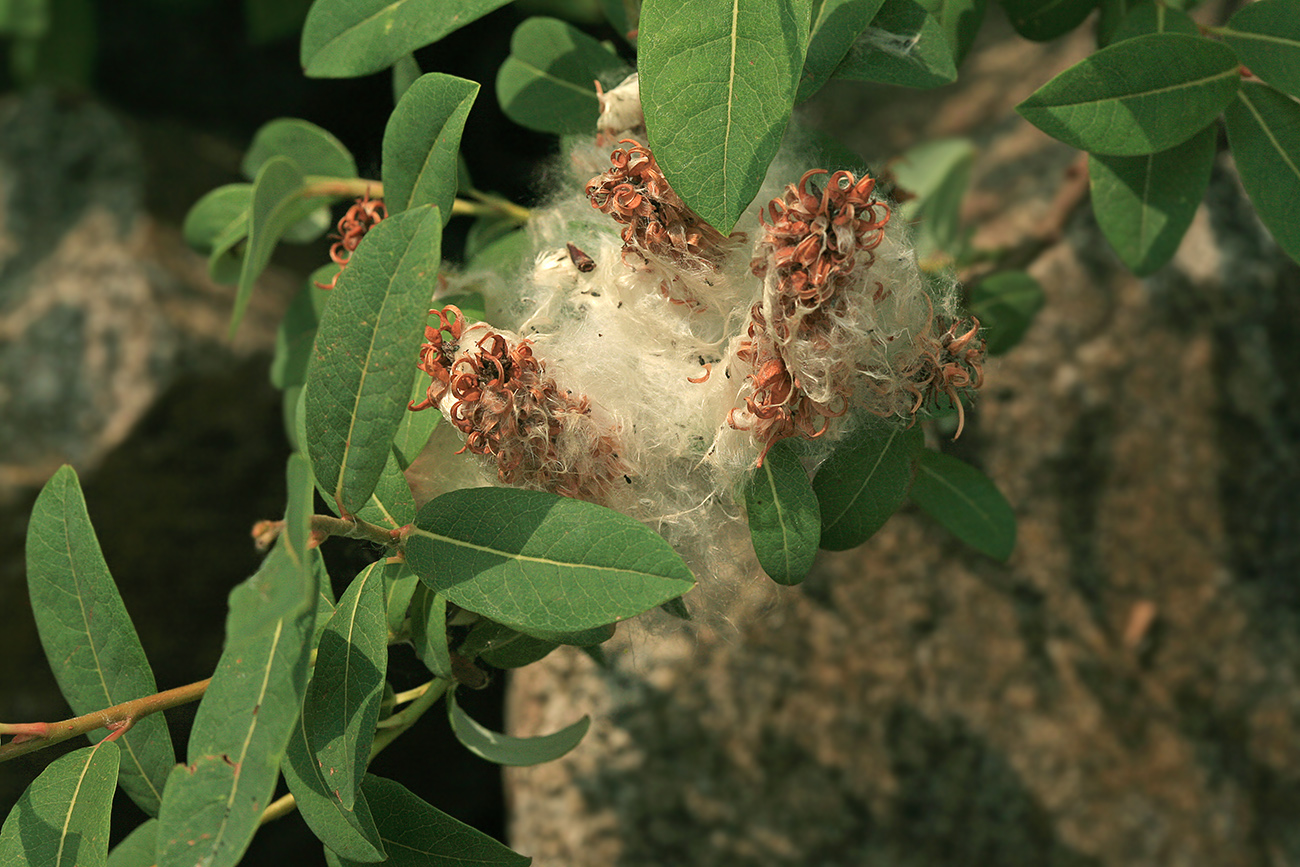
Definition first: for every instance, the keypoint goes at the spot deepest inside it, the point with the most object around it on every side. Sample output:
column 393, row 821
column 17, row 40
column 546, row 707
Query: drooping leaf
column 348, row 38
column 1266, row 36
column 138, row 849
column 417, row 834
column 966, row 502
column 429, row 630
column 88, row 635
column 960, row 20
column 422, row 143
column 905, row 45
column 1264, row 131
column 1151, row 18
column 62, row 818
column 366, row 347
column 938, row 174
column 1145, row 204
column 835, row 25
column 1044, row 20
column 399, row 585
column 506, row 750
column 416, row 427
column 864, row 482
column 315, row 150
column 784, row 518
column 548, row 81
column 1135, row 97
column 519, row 651
column 406, row 69
column 537, row 561
column 297, row 332
column 1005, row 305
column 216, row 225
column 718, row 82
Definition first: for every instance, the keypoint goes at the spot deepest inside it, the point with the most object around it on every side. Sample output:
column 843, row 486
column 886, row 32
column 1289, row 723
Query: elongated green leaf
column 422, row 142
column 347, row 38
column 507, row 750
column 784, row 519
column 864, row 482
column 87, row 634
column 534, row 560
column 718, row 81
column 366, row 346
column 416, row 427
column 548, row 81
column 138, row 849
column 1145, row 204
column 315, row 150
column 297, row 332
column 343, row 700
column 905, row 45
column 1264, row 131
column 429, row 630
column 399, row 585
column 519, row 651
column 1005, row 305
column 1135, row 97
column 966, row 502
column 1150, row 18
column 960, row 20
column 391, row 505
column 216, row 225
column 937, row 173
column 1266, row 36
column 417, row 834
column 835, row 25
column 62, row 818
column 1043, row 20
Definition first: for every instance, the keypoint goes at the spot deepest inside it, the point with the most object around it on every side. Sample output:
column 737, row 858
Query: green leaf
column 1145, row 204
column 966, row 502
column 1150, row 18
column 28, row 19
column 864, row 482
column 835, row 25
column 938, row 174
column 419, row 835
column 547, row 82
column 1044, row 20
column 905, row 45
column 347, row 38
column 718, row 81
column 399, row 583
column 536, row 561
column 416, row 427
column 1138, row 96
column 343, row 700
column 1266, row 36
column 960, row 20
column 429, row 631
column 1006, row 304
column 519, row 651
column 366, row 346
column 87, row 633
column 1264, row 132
column 406, row 70
column 138, row 849
column 315, row 150
column 267, row 22
column 422, row 142
column 784, row 519
column 506, row 256
column 62, row 818
column 506, row 750
column 391, row 504
column 216, row 225
column 297, row 332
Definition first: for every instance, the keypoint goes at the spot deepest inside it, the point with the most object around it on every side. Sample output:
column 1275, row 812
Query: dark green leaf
column 537, row 561
column 864, row 482
column 87, row 633
column 429, row 631
column 519, row 651
column 1043, row 20
column 62, row 818
column 342, row 704
column 718, row 81
column 315, row 150
column 1150, row 18
column 399, row 584
column 938, row 174
column 966, row 502
column 391, row 504
column 267, row 22
column 784, row 519
column 29, row 19
column 416, row 427
column 419, row 835
column 507, row 750
column 1266, row 36
column 366, row 347
column 347, row 38
column 547, row 82
column 1145, row 204
column 835, row 26
column 405, row 72
column 905, row 45
column 1264, row 131
column 422, row 142
column 960, row 20
column 505, row 256
column 1139, row 96
column 297, row 332
column 581, row 638
column 138, row 849
column 216, row 214
column 1006, row 304
column 622, row 15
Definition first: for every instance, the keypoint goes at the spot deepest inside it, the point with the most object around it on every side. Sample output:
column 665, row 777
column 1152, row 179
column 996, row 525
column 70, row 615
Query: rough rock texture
column 1126, row 691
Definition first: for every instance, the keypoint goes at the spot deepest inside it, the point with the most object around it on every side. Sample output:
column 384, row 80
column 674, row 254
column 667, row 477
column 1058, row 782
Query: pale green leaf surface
column 1042, row 20
column 405, row 72
column 88, row 635
column 718, row 82
column 366, row 347
column 506, row 750
column 1266, row 36
column 1139, row 96
column 938, row 174
column 537, row 561
column 1005, row 305
column 61, row 820
column 864, row 482
column 966, row 502
column 905, row 45
column 1264, row 131
column 784, row 519
column 315, row 150
column 215, row 215
column 835, row 25
column 422, row 143
column 138, row 848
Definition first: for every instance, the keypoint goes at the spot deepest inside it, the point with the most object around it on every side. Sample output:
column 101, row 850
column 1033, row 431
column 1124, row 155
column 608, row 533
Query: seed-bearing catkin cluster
column 353, row 226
